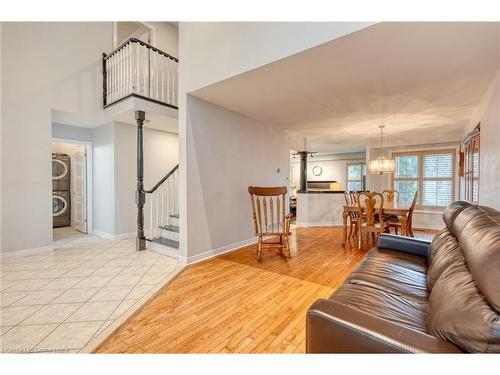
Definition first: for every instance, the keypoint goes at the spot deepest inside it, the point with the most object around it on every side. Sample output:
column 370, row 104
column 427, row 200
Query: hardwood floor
column 234, row 304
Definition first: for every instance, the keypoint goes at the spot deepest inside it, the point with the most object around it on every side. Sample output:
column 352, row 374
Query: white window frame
column 470, row 174
column 420, row 178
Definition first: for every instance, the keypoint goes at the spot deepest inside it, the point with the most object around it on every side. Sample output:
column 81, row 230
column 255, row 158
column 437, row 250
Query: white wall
column 103, row 193
column 213, row 51
column 167, row 37
column 161, row 154
column 227, row 153
column 71, row 132
column 334, row 167
column 44, row 66
column 488, row 114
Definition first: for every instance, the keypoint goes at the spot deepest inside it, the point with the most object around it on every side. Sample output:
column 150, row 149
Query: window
column 471, row 167
column 356, row 173
column 432, row 173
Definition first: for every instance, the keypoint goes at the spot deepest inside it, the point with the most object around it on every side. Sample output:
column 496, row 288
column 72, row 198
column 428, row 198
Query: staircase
column 169, row 234
column 163, row 205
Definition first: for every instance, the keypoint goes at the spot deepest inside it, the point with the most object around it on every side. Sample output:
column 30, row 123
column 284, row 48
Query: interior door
column 79, row 209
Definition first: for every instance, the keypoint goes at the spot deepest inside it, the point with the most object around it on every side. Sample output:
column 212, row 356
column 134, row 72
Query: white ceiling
column 422, row 80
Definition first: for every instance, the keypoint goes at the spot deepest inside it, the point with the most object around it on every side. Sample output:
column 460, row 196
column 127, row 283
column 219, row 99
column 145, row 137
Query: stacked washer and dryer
column 61, row 201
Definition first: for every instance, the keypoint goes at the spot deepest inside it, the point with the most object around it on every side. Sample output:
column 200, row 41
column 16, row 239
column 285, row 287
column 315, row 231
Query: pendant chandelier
column 381, row 164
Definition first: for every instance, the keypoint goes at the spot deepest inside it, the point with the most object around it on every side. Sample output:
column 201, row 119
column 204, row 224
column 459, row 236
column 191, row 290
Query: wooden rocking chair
column 270, row 219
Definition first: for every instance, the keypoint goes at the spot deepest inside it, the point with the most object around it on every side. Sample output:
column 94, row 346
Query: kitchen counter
column 320, row 208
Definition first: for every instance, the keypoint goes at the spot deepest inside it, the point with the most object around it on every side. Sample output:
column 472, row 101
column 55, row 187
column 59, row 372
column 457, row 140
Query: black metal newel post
column 140, row 195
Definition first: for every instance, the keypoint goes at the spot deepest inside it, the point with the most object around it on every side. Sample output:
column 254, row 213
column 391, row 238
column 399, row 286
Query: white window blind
column 355, row 173
column 431, row 173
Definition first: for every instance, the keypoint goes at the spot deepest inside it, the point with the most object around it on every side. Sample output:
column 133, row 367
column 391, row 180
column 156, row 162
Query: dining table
column 395, row 208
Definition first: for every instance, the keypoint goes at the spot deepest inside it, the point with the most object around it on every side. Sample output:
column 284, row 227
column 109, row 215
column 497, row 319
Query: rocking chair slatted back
column 270, row 218
column 268, row 208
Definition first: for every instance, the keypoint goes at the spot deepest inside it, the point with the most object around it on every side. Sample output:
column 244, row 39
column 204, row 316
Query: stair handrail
column 147, row 45
column 153, row 189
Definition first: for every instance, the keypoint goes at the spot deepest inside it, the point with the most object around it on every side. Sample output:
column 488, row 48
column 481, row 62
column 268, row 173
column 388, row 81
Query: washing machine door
column 59, row 169
column 59, row 205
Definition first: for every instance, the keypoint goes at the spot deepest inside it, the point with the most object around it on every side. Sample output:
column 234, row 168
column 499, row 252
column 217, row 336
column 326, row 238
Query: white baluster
column 136, row 67
column 129, row 70
column 119, row 75
column 168, row 81
column 177, row 192
column 108, row 81
column 162, row 89
column 158, row 210
column 176, row 76
column 163, row 205
column 110, row 77
column 115, row 77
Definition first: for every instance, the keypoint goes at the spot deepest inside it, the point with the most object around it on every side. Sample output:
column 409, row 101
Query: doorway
column 71, row 186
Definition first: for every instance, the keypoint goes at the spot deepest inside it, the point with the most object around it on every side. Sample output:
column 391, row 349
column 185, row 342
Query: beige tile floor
column 70, row 299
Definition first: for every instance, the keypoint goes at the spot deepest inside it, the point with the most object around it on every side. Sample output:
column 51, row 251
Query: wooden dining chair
column 396, row 223
column 390, row 195
column 371, row 203
column 270, row 218
column 350, row 198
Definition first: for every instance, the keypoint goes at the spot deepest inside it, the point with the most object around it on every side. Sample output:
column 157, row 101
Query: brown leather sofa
column 414, row 296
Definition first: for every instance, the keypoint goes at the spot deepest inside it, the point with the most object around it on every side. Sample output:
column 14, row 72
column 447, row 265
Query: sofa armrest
column 333, row 327
column 408, row 245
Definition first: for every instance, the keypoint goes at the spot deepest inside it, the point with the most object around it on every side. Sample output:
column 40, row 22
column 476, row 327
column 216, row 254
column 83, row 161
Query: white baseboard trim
column 163, row 249
column 114, row 237
column 34, row 251
column 320, row 224
column 219, row 251
column 105, row 235
column 124, row 236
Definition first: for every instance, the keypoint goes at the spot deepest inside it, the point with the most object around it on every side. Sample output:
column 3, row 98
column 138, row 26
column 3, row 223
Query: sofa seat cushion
column 385, row 305
column 393, row 271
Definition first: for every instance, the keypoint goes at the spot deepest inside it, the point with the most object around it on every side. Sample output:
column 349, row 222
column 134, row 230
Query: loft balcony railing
column 137, row 69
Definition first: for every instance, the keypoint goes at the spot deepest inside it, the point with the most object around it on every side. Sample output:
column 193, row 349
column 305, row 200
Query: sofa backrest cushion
column 438, row 240
column 444, row 249
column 452, row 211
column 458, row 312
column 479, row 238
